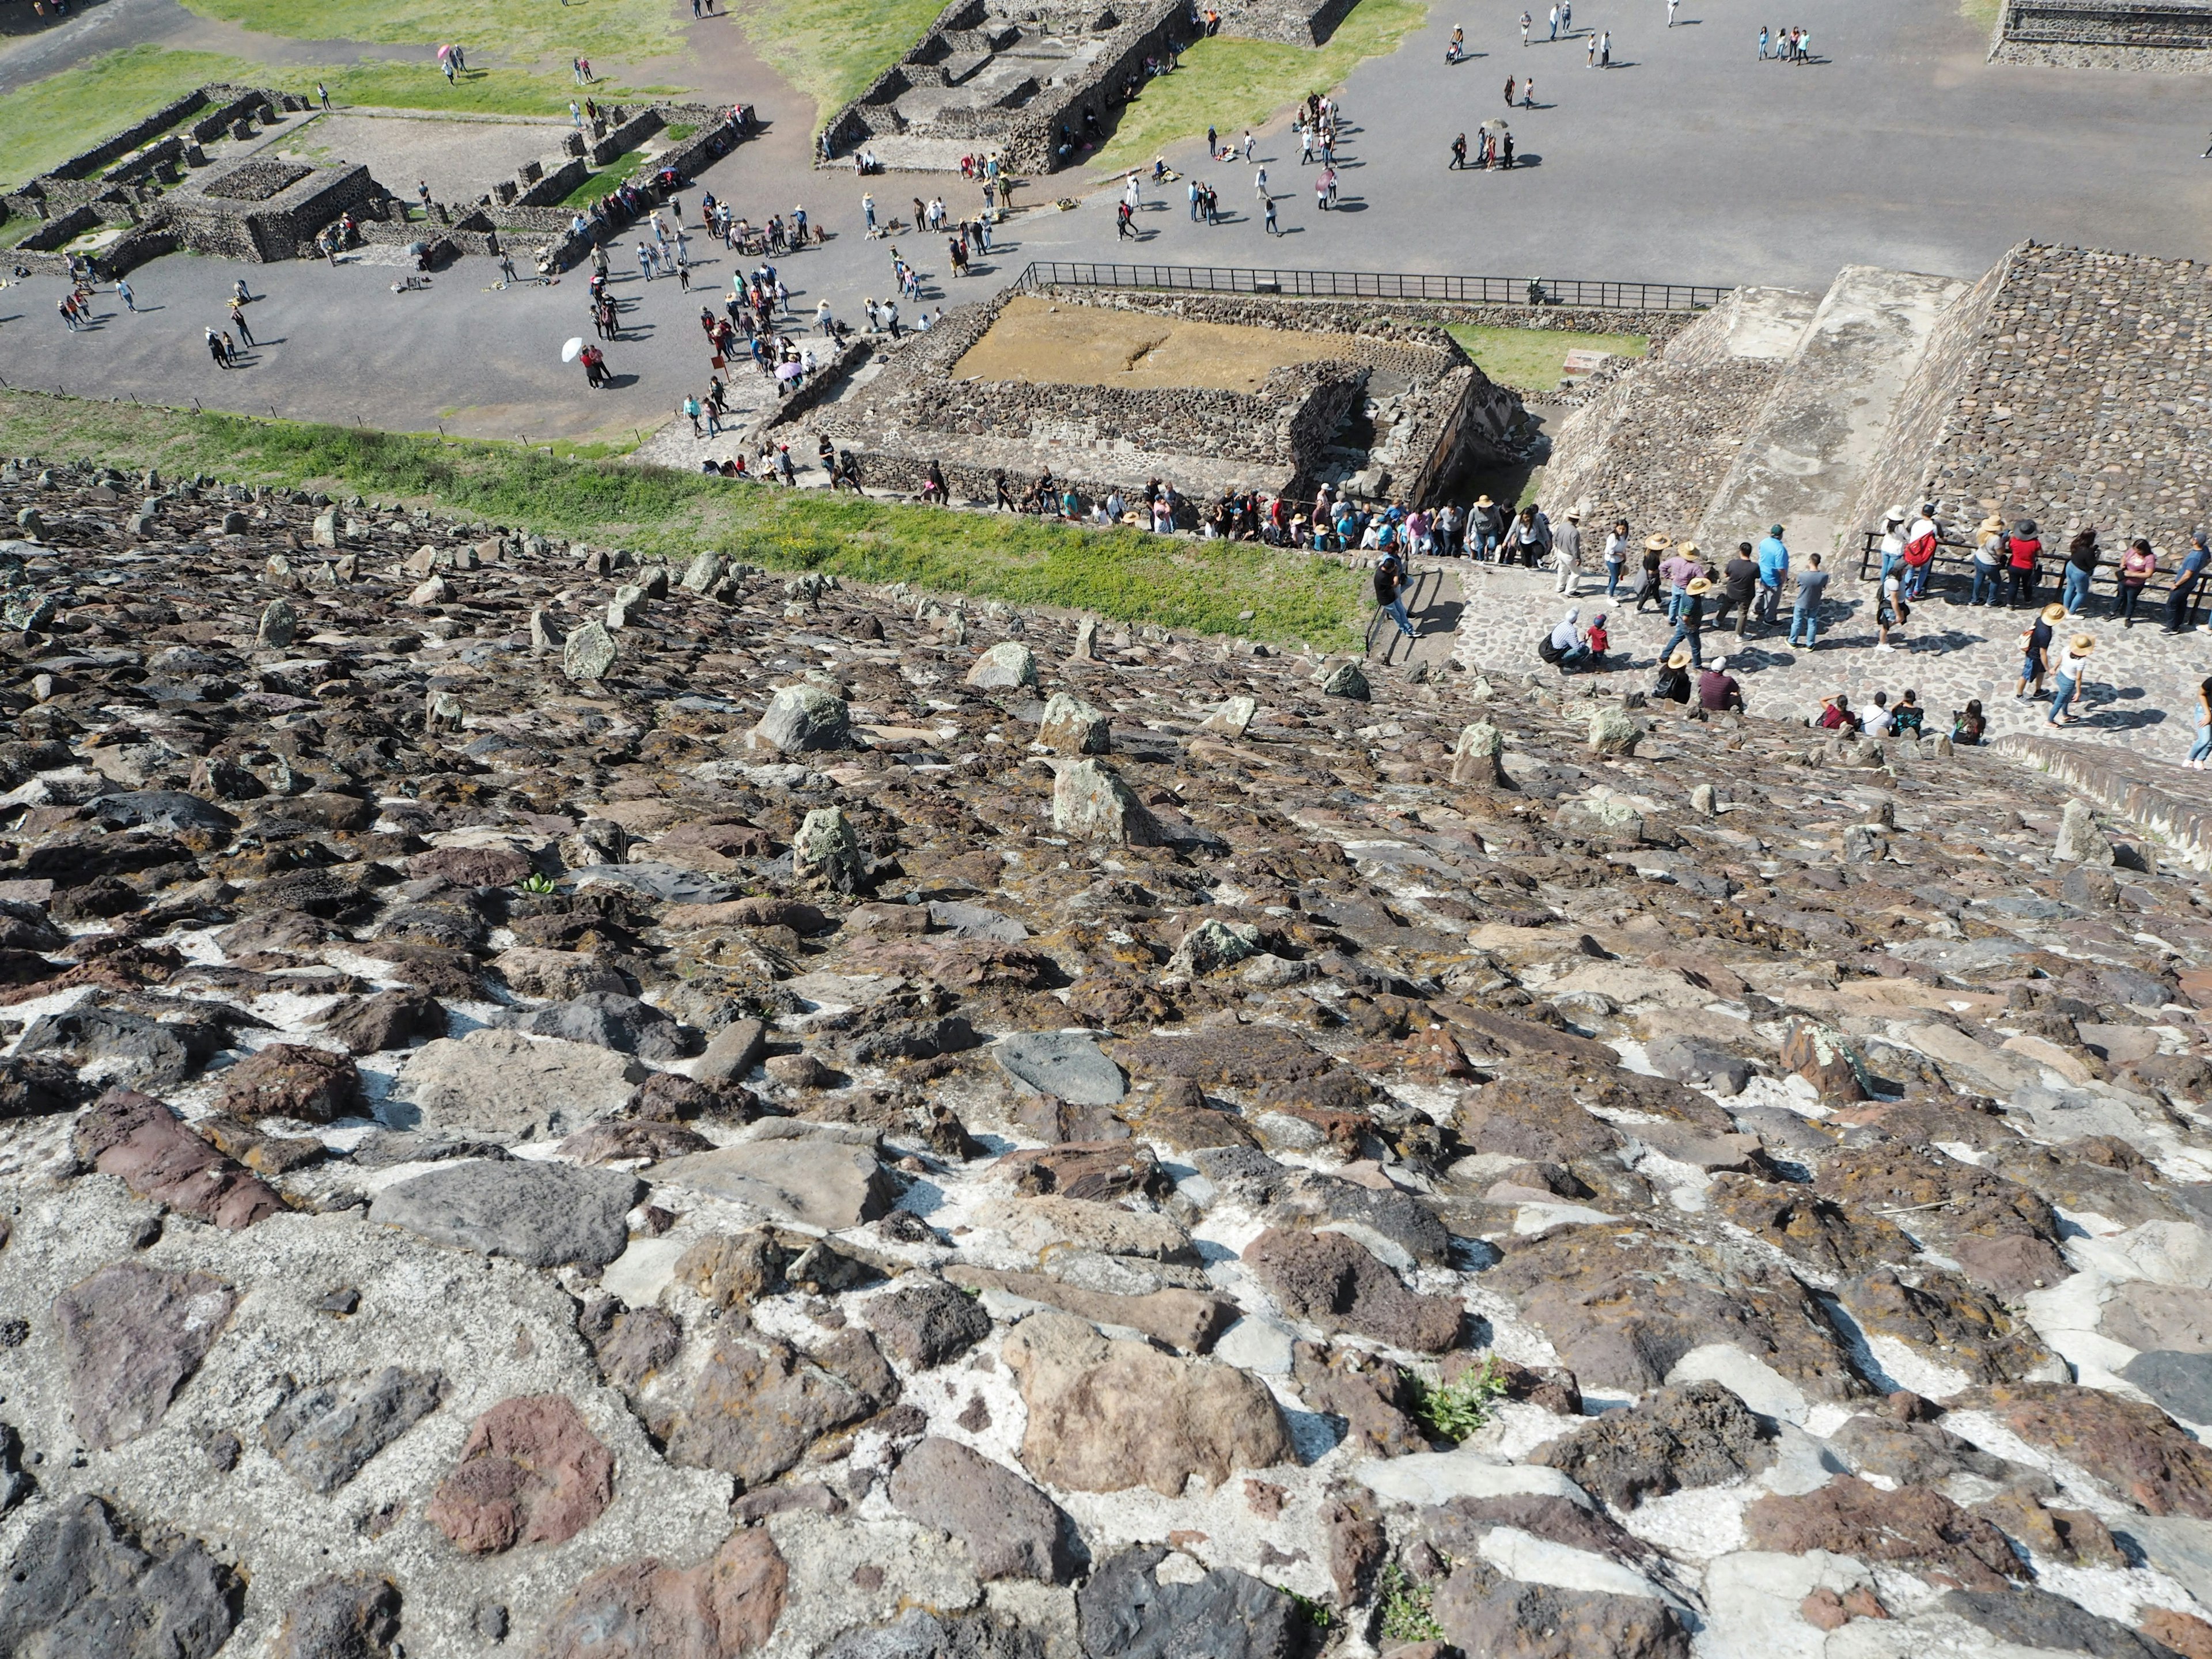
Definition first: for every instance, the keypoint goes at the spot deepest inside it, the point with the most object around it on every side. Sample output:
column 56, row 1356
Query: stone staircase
column 1809, row 447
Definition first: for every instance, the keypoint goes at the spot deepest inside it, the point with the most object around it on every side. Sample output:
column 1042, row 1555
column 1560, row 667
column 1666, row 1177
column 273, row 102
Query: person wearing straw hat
column 1988, row 560
column 1482, row 528
column 1689, row 626
column 1893, row 540
column 2035, row 652
column 1673, row 683
column 1655, row 550
column 2067, row 678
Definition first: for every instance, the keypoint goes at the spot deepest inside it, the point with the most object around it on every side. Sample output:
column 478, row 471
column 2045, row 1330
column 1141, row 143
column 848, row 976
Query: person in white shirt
column 2067, row 678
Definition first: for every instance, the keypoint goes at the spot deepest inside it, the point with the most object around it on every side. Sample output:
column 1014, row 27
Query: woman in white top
column 2068, row 678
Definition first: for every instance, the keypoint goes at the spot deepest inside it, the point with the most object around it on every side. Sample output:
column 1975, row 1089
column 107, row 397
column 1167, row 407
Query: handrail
column 1958, row 558
column 1567, row 292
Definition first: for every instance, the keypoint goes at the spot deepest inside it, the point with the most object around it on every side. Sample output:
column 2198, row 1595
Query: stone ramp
column 1825, row 419
column 1434, row 602
column 1652, row 446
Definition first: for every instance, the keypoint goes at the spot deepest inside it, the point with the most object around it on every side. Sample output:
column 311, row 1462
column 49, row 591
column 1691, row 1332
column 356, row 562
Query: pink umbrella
column 444, row 52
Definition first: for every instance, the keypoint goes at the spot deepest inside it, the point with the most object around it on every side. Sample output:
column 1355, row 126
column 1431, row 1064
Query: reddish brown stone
column 1911, row 1527
column 720, row 1609
column 290, row 1079
column 471, row 867
column 532, row 1473
column 139, row 1139
column 2185, row 1633
column 2136, row 1449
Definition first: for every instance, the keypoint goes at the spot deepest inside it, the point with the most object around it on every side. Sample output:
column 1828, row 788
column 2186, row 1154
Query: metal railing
column 1952, row 568
column 1568, row 292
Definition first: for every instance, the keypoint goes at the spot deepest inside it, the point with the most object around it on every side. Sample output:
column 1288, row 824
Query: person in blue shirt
column 2181, row 602
column 1773, row 571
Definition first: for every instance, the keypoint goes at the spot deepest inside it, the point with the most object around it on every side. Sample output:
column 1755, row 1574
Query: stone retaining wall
column 2067, row 387
column 2148, row 797
column 1290, row 22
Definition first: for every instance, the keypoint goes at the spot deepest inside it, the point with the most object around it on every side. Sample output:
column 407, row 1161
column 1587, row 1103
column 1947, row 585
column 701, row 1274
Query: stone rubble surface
column 1123, row 1153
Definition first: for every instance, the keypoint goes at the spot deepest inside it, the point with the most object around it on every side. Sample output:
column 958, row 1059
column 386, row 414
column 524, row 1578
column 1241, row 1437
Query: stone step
column 1820, row 426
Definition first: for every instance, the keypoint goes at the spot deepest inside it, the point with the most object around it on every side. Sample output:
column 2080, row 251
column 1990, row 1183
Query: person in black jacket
column 1389, row 580
column 1739, row 582
column 1672, row 684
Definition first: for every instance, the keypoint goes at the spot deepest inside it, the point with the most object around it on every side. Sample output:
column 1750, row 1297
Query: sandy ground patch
column 1044, row 343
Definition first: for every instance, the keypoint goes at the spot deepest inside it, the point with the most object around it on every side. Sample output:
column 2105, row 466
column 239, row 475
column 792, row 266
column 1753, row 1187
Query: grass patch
column 1235, row 84
column 830, row 50
column 606, row 181
column 1982, row 13
column 1533, row 359
column 52, row 119
column 1458, row 1409
column 1407, row 1614
column 622, row 31
column 1123, row 573
column 676, row 131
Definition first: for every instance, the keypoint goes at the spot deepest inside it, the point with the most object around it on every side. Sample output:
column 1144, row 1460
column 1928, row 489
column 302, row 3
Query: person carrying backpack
column 1390, row 583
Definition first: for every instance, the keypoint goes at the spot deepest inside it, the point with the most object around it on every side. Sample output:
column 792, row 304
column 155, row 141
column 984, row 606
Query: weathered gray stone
column 925, row 1322
column 588, row 654
column 1233, row 718
column 803, row 717
column 541, row 1214
column 1063, row 1064
column 1347, row 679
column 826, row 852
column 1091, row 801
column 819, row 1180
column 1479, row 756
column 324, row 1435
column 279, row 622
column 1070, row 725
column 82, row 1585
column 505, row 1083
column 1126, row 1612
column 353, row 1616
column 1614, row 731
column 1004, row 666
column 2079, row 839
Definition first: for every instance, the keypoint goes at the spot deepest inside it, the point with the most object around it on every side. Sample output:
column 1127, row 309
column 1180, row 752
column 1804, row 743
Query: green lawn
column 52, row 119
column 1533, row 359
column 1125, row 575
column 830, row 50
column 607, row 180
column 1235, row 84
column 549, row 32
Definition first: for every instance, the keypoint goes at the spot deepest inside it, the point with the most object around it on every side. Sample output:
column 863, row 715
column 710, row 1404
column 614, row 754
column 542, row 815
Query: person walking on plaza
column 215, row 350
column 2201, row 750
column 1567, row 552
column 1763, row 39
column 2082, row 560
column 1605, row 49
column 1458, row 154
column 1389, row 594
column 1511, row 86
column 2035, row 652
column 1690, row 624
column 238, row 322
column 1891, row 609
column 2137, row 566
column 1805, row 612
column 1774, row 555
column 1271, row 227
column 2067, row 676
column 2022, row 551
column 1555, row 23
column 2181, row 600
column 1616, row 557
column 1739, row 584
column 123, row 293
column 1528, row 95
column 1527, row 21
column 1655, row 553
column 1892, row 541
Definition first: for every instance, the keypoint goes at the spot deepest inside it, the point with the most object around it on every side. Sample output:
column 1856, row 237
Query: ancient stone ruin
column 1111, row 387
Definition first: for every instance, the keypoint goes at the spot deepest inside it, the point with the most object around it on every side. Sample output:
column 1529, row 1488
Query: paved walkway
column 2140, row 693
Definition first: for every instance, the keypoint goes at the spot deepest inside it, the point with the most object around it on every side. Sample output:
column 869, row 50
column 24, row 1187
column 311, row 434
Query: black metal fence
column 1568, row 292
column 1951, row 574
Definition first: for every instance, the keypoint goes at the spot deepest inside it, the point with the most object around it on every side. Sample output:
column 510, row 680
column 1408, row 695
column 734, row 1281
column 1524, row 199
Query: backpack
column 1547, row 651
column 1920, row 550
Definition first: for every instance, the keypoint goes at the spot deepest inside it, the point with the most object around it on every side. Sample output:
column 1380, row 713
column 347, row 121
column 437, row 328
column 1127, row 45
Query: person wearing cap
column 2022, row 550
column 1654, row 551
column 2181, row 601
column 1738, row 581
column 1718, row 691
column 2035, row 652
column 1567, row 552
column 1690, row 624
column 1988, row 560
column 1673, row 683
column 1773, row 571
column 1892, row 541
column 2066, row 679
column 1616, row 557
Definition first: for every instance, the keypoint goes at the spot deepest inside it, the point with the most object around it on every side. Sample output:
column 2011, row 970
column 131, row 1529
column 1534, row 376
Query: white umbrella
column 573, row 350
column 1493, row 124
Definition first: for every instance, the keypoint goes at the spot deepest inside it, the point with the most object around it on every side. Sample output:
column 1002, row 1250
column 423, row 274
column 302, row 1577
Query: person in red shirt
column 1598, row 642
column 2022, row 550
column 1836, row 715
